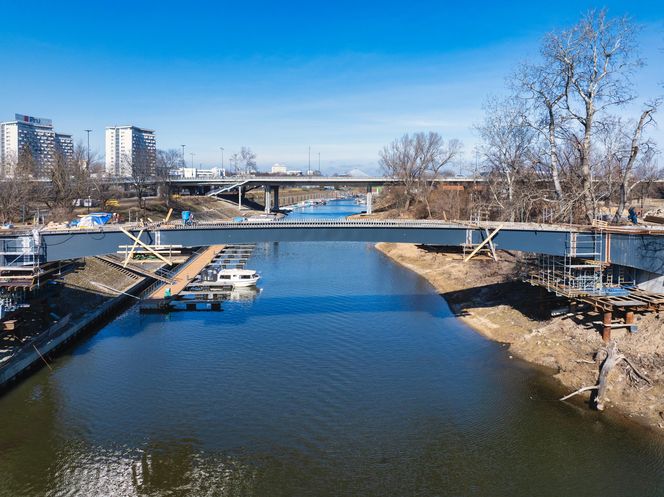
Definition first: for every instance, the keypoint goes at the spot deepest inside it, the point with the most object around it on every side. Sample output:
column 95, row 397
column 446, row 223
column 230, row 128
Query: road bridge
column 637, row 248
column 272, row 184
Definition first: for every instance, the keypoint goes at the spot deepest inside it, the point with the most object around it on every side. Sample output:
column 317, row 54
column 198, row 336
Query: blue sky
column 343, row 77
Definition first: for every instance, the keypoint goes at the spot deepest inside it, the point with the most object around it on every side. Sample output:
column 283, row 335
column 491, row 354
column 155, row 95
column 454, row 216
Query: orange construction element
column 187, row 274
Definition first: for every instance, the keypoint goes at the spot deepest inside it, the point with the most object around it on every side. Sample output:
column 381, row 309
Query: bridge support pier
column 239, row 198
column 267, row 190
column 275, row 197
column 369, row 199
column 606, row 328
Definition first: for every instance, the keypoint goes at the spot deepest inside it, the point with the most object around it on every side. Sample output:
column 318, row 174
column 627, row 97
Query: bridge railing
column 171, row 273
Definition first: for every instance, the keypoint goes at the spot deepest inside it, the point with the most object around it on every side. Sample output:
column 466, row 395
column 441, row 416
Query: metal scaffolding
column 579, row 272
column 21, row 260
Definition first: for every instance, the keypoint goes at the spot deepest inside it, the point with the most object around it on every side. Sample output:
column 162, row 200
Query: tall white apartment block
column 130, row 147
column 34, row 136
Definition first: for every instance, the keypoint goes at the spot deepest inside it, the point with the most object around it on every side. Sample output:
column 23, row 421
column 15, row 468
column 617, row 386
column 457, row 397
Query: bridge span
column 637, row 248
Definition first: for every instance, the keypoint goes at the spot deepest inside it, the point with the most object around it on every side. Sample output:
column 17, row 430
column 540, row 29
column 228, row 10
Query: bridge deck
column 188, row 273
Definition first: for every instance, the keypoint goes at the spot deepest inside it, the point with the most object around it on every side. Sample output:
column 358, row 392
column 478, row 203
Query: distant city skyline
column 344, row 80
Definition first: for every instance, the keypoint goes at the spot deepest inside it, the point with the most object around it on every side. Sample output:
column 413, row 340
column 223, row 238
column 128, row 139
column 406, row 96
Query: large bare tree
column 508, row 148
column 417, row 160
column 597, row 57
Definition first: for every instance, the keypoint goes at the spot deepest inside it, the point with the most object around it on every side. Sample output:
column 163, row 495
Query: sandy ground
column 487, row 296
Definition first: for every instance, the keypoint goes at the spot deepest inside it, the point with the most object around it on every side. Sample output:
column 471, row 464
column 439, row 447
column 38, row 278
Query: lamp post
column 87, row 164
column 319, row 163
column 223, row 171
column 192, row 159
column 183, row 162
column 309, row 166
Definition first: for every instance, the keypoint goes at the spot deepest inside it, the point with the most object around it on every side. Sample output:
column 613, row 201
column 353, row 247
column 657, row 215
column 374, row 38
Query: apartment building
column 34, row 136
column 128, row 148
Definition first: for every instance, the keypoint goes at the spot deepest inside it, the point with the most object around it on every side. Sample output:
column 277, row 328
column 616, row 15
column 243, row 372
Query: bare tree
column 101, row 185
column 627, row 154
column 507, row 148
column 16, row 188
column 417, row 161
column 235, row 160
column 544, row 88
column 167, row 162
column 597, row 56
column 247, row 158
column 142, row 169
column 69, row 180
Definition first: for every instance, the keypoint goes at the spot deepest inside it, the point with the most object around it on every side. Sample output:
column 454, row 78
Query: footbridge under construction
column 639, row 248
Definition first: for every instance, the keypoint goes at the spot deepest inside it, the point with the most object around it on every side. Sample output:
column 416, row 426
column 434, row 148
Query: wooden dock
column 188, row 273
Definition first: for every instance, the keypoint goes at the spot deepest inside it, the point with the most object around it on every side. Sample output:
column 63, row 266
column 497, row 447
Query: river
column 347, row 375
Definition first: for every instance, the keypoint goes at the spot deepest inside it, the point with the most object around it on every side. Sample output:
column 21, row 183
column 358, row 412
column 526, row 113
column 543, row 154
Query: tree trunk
column 586, row 180
column 612, row 358
column 634, row 152
column 553, row 152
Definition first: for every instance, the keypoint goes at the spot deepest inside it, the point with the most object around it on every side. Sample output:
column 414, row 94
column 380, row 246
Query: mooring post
column 606, row 328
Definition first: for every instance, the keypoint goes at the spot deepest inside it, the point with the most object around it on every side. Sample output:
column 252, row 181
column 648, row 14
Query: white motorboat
column 237, row 278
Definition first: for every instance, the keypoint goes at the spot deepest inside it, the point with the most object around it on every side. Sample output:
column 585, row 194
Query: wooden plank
column 145, row 246
column 188, row 273
column 484, row 242
column 131, row 253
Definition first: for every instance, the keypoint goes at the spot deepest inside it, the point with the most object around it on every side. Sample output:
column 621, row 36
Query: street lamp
column 192, row 158
column 223, row 171
column 319, row 163
column 183, row 163
column 87, row 164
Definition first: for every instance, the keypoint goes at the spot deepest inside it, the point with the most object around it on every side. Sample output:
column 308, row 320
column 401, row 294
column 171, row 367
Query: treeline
column 560, row 146
column 26, row 190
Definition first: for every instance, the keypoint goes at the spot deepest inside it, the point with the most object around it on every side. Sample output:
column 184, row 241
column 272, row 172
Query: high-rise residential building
column 34, row 136
column 129, row 148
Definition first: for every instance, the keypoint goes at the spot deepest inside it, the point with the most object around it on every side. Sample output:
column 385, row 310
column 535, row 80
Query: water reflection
column 345, row 375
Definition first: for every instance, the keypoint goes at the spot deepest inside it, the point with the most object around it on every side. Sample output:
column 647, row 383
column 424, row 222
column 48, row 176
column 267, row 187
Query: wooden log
column 612, row 358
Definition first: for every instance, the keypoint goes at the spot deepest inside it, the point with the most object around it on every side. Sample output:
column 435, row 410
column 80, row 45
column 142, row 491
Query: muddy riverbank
column 485, row 295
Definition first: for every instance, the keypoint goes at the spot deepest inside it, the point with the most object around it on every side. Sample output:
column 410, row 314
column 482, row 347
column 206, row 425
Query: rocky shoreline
column 486, row 296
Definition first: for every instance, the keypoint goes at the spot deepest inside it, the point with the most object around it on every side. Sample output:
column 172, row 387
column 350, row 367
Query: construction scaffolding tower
column 579, row 272
column 21, row 260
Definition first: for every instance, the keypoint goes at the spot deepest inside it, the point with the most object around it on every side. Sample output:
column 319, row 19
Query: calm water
column 346, row 376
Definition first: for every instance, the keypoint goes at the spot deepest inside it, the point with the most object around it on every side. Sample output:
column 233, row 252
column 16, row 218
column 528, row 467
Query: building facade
column 130, row 149
column 33, row 137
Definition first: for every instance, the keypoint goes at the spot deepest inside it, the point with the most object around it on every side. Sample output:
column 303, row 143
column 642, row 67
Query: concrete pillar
column 239, row 198
column 606, row 328
column 369, row 195
column 275, row 195
column 267, row 202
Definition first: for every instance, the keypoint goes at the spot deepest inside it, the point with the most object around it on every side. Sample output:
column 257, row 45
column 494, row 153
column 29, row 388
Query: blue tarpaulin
column 94, row 219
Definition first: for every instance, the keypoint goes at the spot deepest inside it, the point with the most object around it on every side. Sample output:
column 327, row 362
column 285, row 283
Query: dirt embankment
column 486, row 295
